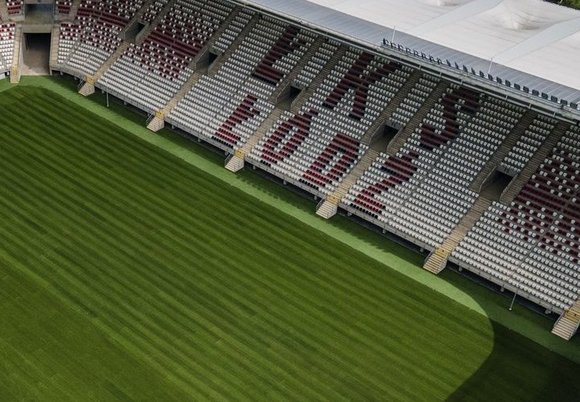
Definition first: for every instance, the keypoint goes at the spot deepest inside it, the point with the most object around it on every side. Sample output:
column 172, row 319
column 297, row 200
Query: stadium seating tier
column 421, row 192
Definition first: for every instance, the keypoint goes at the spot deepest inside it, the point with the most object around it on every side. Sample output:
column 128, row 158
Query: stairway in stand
column 329, row 206
column 149, row 28
column 318, row 80
column 290, row 77
column 391, row 107
column 203, row 54
column 158, row 121
column 88, row 87
column 17, row 56
column 437, row 260
column 72, row 14
column 568, row 323
column 236, row 161
column 225, row 56
column 516, row 185
column 4, row 11
column 505, row 147
column 54, row 41
column 404, row 134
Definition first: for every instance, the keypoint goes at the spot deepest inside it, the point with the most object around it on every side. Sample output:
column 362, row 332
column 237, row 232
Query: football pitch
column 129, row 274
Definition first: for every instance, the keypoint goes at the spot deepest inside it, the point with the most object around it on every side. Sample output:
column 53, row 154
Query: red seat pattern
column 99, row 22
column 464, row 98
column 287, row 138
column 174, row 42
column 15, row 7
column 359, row 78
column 547, row 209
column 63, row 6
column 333, row 163
column 287, row 43
column 400, row 169
column 243, row 112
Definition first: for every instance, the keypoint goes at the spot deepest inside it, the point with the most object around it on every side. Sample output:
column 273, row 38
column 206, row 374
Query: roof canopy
column 532, row 44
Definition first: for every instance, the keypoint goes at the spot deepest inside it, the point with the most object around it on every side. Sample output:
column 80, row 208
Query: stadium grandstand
column 451, row 127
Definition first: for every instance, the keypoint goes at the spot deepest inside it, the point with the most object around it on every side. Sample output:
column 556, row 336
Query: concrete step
column 157, row 123
column 326, row 209
column 88, row 87
column 565, row 328
column 437, row 261
column 236, row 162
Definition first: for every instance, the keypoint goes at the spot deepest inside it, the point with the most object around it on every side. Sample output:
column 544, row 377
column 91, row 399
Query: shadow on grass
column 532, row 373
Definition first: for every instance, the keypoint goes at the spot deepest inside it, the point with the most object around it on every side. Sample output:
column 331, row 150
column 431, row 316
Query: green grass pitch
column 127, row 274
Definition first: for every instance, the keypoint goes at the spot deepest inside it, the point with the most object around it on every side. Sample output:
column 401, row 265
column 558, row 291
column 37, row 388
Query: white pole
column 393, row 37
column 107, row 91
column 490, row 64
column 512, row 303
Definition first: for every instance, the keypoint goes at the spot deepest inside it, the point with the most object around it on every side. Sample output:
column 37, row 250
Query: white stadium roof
column 531, row 43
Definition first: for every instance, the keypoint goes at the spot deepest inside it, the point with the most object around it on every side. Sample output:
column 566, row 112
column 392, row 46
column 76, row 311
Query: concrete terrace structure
column 413, row 129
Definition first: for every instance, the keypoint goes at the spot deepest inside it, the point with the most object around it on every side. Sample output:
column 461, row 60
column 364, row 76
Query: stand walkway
column 284, row 87
column 17, row 57
column 318, row 80
column 328, row 207
column 516, row 185
column 568, row 323
column 158, row 121
column 403, row 135
column 236, row 161
column 393, row 105
column 437, row 260
column 503, row 150
column 88, row 87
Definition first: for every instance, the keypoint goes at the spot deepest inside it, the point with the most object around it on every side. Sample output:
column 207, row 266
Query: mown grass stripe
column 223, row 296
